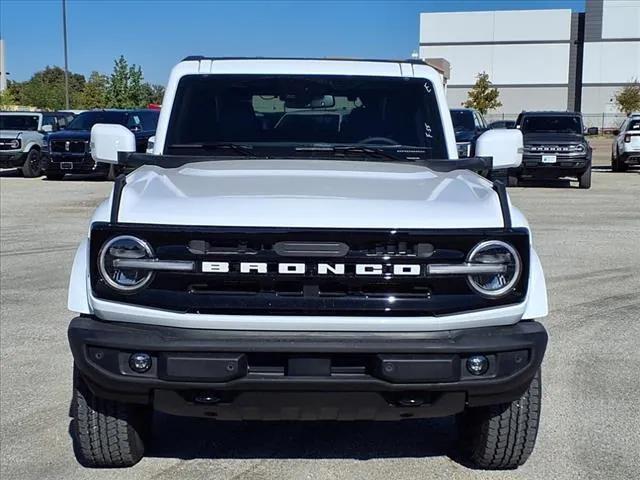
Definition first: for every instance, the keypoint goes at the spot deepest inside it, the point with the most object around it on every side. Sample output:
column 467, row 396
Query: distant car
column 68, row 151
column 468, row 124
column 502, row 124
column 554, row 147
column 21, row 138
column 626, row 146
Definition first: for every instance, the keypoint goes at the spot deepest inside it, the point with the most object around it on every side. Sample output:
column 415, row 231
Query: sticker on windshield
column 427, row 131
column 427, row 87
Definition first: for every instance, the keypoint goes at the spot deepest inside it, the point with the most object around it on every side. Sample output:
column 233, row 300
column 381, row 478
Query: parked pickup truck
column 343, row 264
column 68, row 151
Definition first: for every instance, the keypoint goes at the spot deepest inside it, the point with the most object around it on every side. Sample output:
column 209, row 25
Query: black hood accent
column 70, row 135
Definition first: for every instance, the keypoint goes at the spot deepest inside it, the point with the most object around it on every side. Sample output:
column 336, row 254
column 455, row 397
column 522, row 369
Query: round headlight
column 14, row 143
column 124, row 247
column 495, row 252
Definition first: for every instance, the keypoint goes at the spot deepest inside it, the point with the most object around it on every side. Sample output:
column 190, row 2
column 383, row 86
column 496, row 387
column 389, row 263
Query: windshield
column 462, row 120
column 19, row 122
column 552, row 123
column 634, row 125
column 288, row 113
column 86, row 120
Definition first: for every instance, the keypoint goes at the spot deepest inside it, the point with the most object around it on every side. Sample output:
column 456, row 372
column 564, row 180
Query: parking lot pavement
column 588, row 241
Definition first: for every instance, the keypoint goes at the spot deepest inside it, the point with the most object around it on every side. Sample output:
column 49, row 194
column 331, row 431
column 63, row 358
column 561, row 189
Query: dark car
column 468, row 124
column 502, row 124
column 554, row 147
column 69, row 151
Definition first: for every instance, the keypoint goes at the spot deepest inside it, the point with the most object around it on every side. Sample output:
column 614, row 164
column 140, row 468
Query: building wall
column 529, row 64
column 536, row 56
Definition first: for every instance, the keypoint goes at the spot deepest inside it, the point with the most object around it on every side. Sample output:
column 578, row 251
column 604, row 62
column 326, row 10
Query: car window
column 19, row 122
column 149, row 119
column 634, row 125
column 51, row 120
column 551, row 123
column 134, row 121
column 462, row 119
column 283, row 112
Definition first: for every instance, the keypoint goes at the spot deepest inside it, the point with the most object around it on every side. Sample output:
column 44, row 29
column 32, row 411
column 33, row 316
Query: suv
column 341, row 265
column 68, row 151
column 468, row 125
column 626, row 146
column 554, row 147
column 21, row 138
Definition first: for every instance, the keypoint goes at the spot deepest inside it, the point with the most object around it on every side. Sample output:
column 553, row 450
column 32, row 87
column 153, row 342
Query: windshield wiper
column 345, row 150
column 234, row 147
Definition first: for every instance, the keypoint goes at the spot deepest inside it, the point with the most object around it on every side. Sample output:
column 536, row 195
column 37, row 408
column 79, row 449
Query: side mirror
column 592, row 131
column 107, row 140
column 46, row 129
column 151, row 144
column 503, row 146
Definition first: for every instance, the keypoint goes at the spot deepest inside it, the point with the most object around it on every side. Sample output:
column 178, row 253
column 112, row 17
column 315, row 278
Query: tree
column 94, row 94
column 154, row 93
column 628, row 98
column 7, row 99
column 45, row 89
column 126, row 86
column 482, row 96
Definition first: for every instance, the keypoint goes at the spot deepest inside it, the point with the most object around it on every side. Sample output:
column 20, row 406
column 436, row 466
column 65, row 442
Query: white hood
column 10, row 133
column 309, row 193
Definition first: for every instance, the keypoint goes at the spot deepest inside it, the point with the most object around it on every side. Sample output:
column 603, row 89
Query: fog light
column 477, row 365
column 140, row 362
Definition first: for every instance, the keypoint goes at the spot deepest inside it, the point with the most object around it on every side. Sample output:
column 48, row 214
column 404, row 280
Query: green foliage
column 94, row 94
column 124, row 88
column 7, row 99
column 483, row 96
column 628, row 98
column 45, row 89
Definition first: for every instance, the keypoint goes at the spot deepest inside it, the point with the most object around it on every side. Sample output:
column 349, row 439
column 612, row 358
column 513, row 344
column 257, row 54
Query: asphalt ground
column 589, row 244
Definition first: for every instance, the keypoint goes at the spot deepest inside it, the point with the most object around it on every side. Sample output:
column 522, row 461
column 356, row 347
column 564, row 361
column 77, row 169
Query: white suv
column 626, row 146
column 304, row 244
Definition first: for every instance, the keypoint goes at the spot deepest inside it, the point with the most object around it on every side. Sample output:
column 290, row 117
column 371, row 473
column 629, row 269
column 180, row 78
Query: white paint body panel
column 305, row 193
column 309, row 193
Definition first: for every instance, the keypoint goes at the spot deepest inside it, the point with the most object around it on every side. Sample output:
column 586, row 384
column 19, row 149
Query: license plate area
column 549, row 159
column 66, row 165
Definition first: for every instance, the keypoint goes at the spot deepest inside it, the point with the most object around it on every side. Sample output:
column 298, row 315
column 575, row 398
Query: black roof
column 415, row 61
column 548, row 113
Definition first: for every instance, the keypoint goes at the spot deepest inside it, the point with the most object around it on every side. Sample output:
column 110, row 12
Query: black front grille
column 68, row 146
column 309, row 293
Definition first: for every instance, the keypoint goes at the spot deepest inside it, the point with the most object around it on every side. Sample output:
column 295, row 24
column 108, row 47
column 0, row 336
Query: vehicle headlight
column 464, row 149
column 15, row 143
column 578, row 148
column 501, row 254
column 125, row 278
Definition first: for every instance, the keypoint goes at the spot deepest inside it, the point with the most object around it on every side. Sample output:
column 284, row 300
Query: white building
column 540, row 59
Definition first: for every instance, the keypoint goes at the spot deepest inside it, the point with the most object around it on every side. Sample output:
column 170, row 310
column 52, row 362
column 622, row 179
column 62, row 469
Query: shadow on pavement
column 191, row 438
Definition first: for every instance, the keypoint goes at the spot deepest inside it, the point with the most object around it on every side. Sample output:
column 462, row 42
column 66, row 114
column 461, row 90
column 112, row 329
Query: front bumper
column 12, row 158
column 72, row 163
column 565, row 166
column 306, row 375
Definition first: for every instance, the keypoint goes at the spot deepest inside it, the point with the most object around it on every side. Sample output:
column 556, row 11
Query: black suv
column 68, row 151
column 468, row 124
column 554, row 147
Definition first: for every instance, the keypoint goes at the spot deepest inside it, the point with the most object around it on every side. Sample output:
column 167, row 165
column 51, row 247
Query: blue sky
column 157, row 34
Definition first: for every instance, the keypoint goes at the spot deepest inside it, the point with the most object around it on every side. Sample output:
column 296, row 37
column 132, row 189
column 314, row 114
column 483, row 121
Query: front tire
column 584, row 180
column 106, row 433
column 617, row 165
column 502, row 436
column 31, row 167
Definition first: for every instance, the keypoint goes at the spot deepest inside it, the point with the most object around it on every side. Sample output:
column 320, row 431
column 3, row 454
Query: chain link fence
column 605, row 122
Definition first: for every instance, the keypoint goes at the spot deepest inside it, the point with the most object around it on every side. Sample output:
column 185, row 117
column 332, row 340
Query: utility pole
column 66, row 62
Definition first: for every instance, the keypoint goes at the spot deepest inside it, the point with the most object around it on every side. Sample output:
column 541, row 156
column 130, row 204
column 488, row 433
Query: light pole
column 66, row 63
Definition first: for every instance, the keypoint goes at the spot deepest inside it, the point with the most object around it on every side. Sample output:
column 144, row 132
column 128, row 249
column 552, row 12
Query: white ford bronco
column 303, row 243
column 21, row 140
